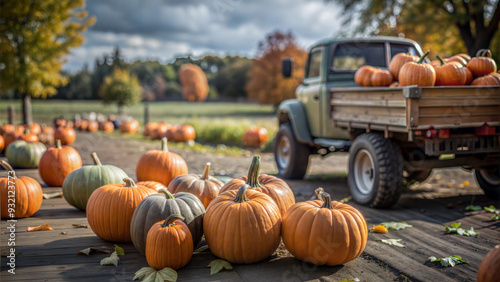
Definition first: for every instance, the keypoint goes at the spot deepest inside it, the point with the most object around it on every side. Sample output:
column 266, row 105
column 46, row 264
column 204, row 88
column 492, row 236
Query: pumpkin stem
column 440, row 60
column 95, row 158
column 241, row 196
column 8, row 168
column 58, row 144
column 319, row 193
column 327, row 201
column 129, row 182
column 421, row 60
column 206, row 172
column 170, row 221
column 164, row 146
column 253, row 172
column 167, row 193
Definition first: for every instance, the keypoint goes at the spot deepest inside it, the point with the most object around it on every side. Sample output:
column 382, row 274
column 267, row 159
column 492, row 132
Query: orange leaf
column 380, row 229
column 40, row 228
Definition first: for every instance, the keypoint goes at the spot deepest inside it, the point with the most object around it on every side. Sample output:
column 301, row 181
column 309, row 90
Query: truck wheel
column 419, row 175
column 489, row 181
column 291, row 156
column 375, row 171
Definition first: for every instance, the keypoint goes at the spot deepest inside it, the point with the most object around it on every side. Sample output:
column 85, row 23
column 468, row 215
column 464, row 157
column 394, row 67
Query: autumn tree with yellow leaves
column 34, row 38
column 121, row 88
column 266, row 84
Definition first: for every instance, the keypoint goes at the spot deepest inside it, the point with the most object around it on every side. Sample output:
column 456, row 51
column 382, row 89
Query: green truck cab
column 391, row 134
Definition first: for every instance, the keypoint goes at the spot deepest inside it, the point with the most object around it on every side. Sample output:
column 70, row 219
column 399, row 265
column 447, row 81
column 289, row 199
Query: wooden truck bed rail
column 405, row 109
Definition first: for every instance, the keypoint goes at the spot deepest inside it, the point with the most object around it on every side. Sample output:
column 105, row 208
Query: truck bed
column 407, row 109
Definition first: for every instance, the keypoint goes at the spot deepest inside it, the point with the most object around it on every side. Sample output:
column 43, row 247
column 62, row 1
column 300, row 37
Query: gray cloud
column 164, row 29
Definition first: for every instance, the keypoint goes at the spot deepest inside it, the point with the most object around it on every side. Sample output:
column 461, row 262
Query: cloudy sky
column 164, row 29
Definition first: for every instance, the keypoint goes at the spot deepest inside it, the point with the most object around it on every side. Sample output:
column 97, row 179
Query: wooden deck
column 51, row 255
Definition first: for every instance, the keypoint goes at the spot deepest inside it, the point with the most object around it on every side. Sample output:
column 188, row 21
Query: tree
column 266, row 84
column 476, row 22
column 34, row 38
column 121, row 88
column 231, row 79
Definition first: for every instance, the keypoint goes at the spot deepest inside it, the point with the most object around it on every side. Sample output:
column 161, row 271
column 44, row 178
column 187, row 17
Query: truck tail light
column 485, row 130
column 444, row 133
column 431, row 133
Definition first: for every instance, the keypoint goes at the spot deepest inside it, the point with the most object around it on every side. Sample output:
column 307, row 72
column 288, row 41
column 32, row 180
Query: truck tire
column 291, row 157
column 375, row 174
column 489, row 181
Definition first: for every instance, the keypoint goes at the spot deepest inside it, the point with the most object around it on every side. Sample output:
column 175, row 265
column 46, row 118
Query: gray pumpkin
column 158, row 207
column 22, row 154
column 79, row 184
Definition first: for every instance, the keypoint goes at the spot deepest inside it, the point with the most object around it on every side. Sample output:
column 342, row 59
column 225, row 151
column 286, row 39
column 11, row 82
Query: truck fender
column 292, row 111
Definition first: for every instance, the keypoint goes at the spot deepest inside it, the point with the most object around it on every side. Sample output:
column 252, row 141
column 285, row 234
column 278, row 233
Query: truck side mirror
column 286, row 67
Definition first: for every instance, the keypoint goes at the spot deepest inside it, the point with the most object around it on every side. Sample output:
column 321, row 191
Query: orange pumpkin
column 487, row 80
column 398, row 61
column 184, row 133
column 11, row 137
column 170, row 134
column 57, row 162
column 148, row 128
column 93, row 126
column 482, row 64
column 451, row 73
column 47, row 129
column 110, row 209
column 155, row 185
column 204, row 187
column 5, row 128
column 468, row 76
column 255, row 137
column 466, row 57
column 459, row 59
column 67, row 135
column 417, row 73
column 108, row 126
column 28, row 136
column 270, row 185
column 160, row 165
column 363, row 75
column 251, row 219
column 2, row 143
column 84, row 124
column 60, row 121
column 489, row 270
column 331, row 233
column 130, row 127
column 24, row 191
column 381, row 78
column 160, row 131
column 169, row 243
column 34, row 128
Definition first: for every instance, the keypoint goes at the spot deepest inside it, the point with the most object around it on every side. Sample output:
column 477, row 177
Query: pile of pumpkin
column 93, row 122
column 406, row 69
column 174, row 133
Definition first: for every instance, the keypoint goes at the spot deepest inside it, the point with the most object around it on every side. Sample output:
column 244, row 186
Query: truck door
column 310, row 90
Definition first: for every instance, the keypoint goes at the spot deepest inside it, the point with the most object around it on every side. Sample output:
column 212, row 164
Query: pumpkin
column 381, row 78
column 2, row 143
column 160, row 131
column 47, row 129
column 482, row 64
column 131, row 127
column 451, row 73
column 79, row 184
column 159, row 206
column 160, row 165
column 23, row 194
column 488, row 269
column 110, row 209
column 466, row 57
column 84, row 124
column 11, row 137
column 363, row 75
column 34, row 128
column 148, row 128
column 323, row 232
column 67, row 135
column 57, row 162
column 486, row 80
column 70, row 124
column 28, row 136
column 108, row 126
column 169, row 243
column 398, row 61
column 417, row 73
column 468, row 76
column 170, row 134
column 60, row 122
column 255, row 137
column 5, row 128
column 270, row 185
column 250, row 219
column 204, row 186
column 459, row 59
column 93, row 126
column 22, row 154
column 155, row 185
column 184, row 133
column 394, row 84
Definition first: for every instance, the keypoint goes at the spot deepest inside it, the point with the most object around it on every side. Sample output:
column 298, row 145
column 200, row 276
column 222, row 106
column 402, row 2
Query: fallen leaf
column 52, row 195
column 218, row 264
column 80, row 226
column 201, row 249
column 64, row 233
column 111, row 260
column 153, row 275
column 449, row 261
column 495, row 217
column 87, row 251
column 345, row 200
column 380, row 229
column 40, row 228
column 490, row 209
column 119, row 250
column 396, row 225
column 393, row 242
column 455, row 229
column 473, row 208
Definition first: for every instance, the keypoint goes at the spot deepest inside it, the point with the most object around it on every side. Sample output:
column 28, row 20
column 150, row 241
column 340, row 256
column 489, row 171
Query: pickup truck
column 392, row 134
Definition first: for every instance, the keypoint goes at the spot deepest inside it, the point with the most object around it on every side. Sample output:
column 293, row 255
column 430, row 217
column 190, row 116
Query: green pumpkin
column 79, row 184
column 22, row 154
column 157, row 207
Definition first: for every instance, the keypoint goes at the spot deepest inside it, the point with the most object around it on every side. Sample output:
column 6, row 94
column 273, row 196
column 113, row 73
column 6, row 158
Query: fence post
column 146, row 113
column 10, row 114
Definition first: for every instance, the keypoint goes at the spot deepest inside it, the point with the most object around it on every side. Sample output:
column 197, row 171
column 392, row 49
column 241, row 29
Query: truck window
column 314, row 62
column 348, row 57
column 399, row 48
